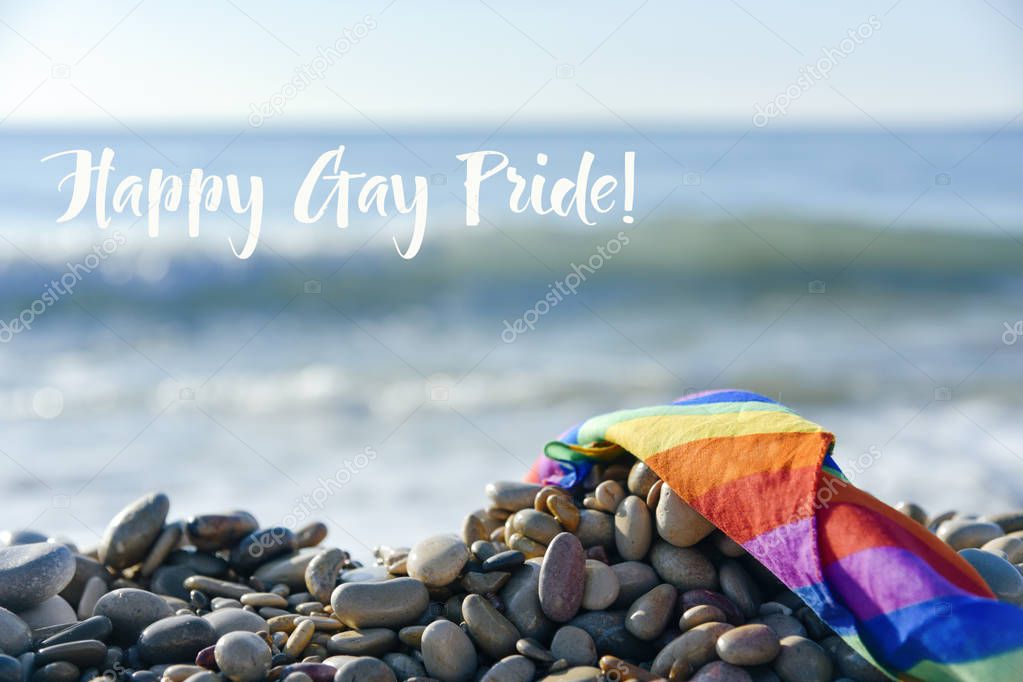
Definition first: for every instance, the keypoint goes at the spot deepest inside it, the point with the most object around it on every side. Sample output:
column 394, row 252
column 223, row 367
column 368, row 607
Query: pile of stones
column 617, row 580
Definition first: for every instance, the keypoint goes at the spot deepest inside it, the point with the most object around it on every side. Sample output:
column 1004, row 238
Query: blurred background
column 828, row 212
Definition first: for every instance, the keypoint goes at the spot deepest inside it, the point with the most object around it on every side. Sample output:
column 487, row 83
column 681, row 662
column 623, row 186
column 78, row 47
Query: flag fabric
column 765, row 476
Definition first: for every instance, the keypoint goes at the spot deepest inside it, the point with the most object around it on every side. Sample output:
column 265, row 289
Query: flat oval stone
column 635, row 579
column 1002, row 577
column 366, row 642
column 719, row 671
column 596, row 528
column 512, row 495
column 438, row 560
column 533, row 650
column 633, row 528
column 493, row 633
column 700, row 614
column 210, row 532
column 322, row 573
column 696, row 646
column 737, row 585
column 507, row 560
column 514, row 668
column 522, row 601
column 600, row 588
column 650, row 614
column 96, row 627
column 288, row 570
column 1009, row 545
column 641, row 479
column 802, row 660
column 1010, row 522
column 967, row 533
column 244, row 657
column 131, row 611
column 448, row 653
column 15, row 635
column 32, row 573
column 365, row 669
column 574, row 645
column 176, row 639
column 235, row 620
column 256, row 549
column 389, row 604
column 748, row 645
column 133, row 531
column 677, row 522
column 535, row 525
column 311, row 534
column 562, row 578
column 53, row 611
column 685, row 568
column 86, row 653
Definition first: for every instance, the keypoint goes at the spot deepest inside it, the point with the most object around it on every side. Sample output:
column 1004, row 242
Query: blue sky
column 455, row 62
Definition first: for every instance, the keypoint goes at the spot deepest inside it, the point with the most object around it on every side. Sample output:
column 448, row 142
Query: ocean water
column 871, row 281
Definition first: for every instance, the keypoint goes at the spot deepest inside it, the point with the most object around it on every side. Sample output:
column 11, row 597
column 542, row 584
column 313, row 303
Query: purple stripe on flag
column 788, row 551
column 863, row 581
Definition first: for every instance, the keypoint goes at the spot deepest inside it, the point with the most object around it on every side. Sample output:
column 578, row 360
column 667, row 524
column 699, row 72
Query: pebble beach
column 618, row 579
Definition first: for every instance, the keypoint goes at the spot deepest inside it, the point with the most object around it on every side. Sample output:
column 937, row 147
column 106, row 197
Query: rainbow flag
column 765, row 476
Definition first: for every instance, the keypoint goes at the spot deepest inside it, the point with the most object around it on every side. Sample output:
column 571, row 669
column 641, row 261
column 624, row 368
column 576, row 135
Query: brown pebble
column 565, row 511
column 540, row 501
column 700, row 614
column 617, row 669
column 261, row 599
column 299, row 638
column 748, row 645
column 311, row 535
